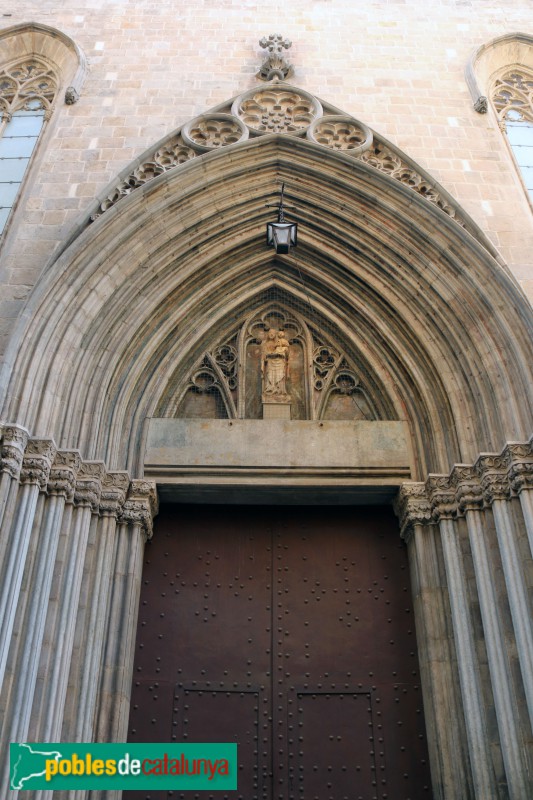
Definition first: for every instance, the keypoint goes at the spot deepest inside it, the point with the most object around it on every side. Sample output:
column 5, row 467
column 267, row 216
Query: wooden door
column 289, row 630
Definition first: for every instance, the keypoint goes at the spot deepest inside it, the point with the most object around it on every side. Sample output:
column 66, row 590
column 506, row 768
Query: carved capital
column 89, row 484
column 492, row 472
column 37, row 462
column 114, row 490
column 62, row 480
column 141, row 506
column 14, row 442
column 520, row 465
column 442, row 497
column 467, row 486
column 412, row 507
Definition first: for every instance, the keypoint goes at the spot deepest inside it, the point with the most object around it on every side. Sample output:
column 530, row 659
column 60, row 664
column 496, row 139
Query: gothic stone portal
column 291, row 632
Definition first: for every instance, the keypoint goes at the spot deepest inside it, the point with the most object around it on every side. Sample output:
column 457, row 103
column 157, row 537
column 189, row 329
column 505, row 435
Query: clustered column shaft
column 71, row 545
column 481, row 515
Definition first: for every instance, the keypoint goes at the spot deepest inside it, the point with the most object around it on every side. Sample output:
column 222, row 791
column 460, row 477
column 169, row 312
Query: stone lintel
column 337, row 456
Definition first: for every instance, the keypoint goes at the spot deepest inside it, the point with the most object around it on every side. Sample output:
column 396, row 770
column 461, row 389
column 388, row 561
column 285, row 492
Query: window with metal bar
column 513, row 101
column 27, row 90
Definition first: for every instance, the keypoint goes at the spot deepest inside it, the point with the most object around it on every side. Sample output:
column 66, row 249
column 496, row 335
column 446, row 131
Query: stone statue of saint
column 275, row 364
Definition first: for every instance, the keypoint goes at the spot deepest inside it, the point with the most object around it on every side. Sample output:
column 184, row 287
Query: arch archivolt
column 431, row 314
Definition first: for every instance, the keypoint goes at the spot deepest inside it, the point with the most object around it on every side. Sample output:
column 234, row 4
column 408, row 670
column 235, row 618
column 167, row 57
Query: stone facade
column 135, row 264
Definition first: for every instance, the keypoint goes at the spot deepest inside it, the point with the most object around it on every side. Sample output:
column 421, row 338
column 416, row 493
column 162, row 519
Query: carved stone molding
column 492, row 473
column 171, row 154
column 29, row 83
column 275, row 65
column 282, row 109
column 442, row 497
column 14, row 441
column 71, row 96
column 113, row 495
column 468, row 491
column 412, row 507
column 384, row 159
column 141, row 506
column 211, row 131
column 37, row 462
column 340, row 132
column 62, row 480
column 89, row 485
column 325, row 359
column 277, row 109
column 494, row 476
column 512, row 95
column 275, row 355
column 520, row 465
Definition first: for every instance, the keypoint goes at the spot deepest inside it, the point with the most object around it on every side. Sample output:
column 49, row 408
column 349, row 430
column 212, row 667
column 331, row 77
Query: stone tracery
column 27, row 81
column 513, row 92
column 512, row 99
column 276, row 357
column 279, row 109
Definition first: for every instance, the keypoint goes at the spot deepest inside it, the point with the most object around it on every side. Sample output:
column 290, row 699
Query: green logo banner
column 124, row 766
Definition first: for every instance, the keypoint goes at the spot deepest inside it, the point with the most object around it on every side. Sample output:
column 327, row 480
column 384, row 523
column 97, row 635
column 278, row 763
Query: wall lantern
column 281, row 234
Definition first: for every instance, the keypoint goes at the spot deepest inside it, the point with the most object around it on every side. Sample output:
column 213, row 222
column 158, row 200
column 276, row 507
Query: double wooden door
column 290, row 631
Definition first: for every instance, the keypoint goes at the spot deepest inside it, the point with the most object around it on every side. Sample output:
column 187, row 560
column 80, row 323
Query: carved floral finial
column 275, row 64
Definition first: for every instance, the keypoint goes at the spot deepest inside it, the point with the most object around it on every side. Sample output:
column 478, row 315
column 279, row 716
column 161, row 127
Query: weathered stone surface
column 351, row 449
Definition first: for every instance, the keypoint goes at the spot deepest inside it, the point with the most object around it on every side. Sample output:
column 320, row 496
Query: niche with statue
column 276, row 365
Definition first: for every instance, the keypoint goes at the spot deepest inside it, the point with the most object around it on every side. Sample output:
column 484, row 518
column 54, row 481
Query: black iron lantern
column 281, row 234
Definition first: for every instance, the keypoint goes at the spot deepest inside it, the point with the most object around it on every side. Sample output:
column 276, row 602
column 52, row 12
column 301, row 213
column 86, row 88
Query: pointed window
column 27, row 90
column 513, row 101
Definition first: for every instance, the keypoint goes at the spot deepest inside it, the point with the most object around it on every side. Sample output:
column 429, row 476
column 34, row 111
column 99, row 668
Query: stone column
column 50, row 503
column 79, row 726
column 57, row 649
column 39, row 575
column 470, row 502
column 496, row 531
column 443, row 713
column 444, row 510
column 135, row 526
column 14, row 439
column 492, row 471
column 36, row 465
column 520, row 474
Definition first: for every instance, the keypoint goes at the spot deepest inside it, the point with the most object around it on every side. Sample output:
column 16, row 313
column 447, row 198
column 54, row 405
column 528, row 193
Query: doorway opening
column 289, row 630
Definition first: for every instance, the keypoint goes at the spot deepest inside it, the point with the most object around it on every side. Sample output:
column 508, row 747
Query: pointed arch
column 500, row 76
column 36, row 62
column 35, row 39
column 492, row 57
column 255, row 113
column 440, row 323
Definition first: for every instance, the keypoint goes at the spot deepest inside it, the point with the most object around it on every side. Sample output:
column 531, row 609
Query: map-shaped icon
column 27, row 762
